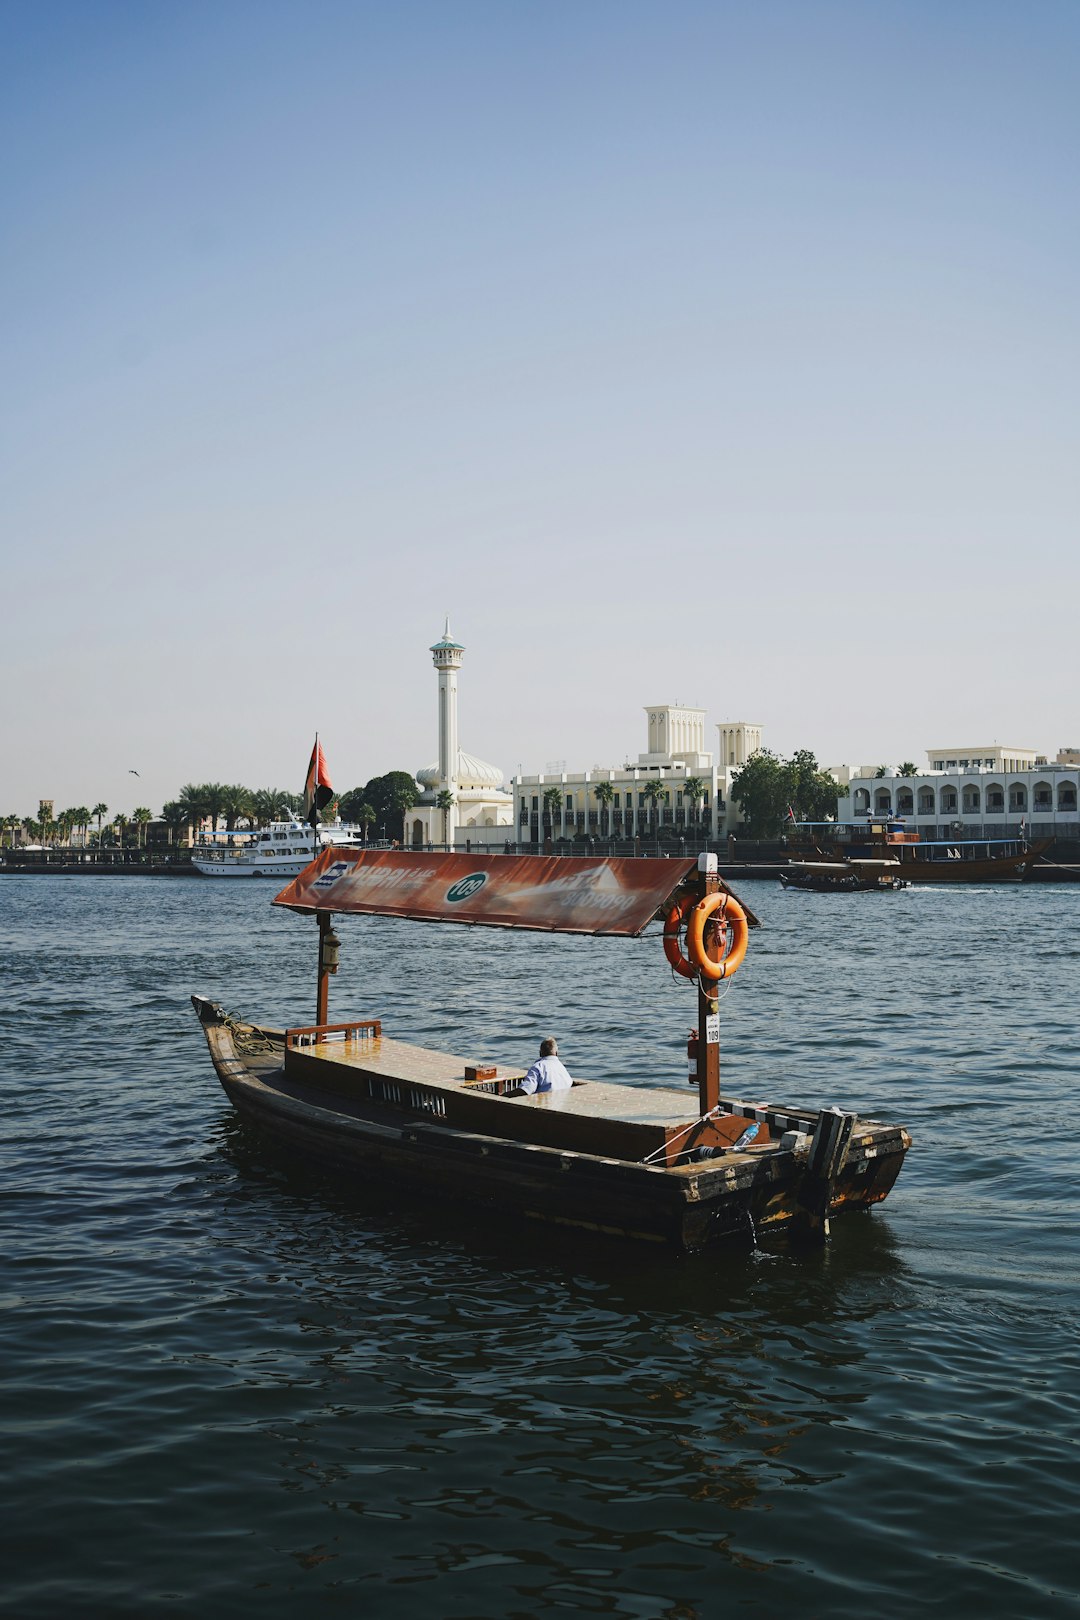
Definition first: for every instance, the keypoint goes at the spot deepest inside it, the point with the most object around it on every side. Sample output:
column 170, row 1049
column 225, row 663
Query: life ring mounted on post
column 732, row 916
column 673, row 925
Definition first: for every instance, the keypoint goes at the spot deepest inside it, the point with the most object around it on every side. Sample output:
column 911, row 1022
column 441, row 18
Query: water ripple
column 237, row 1386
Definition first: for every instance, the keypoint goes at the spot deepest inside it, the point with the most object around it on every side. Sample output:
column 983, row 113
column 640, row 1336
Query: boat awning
column 566, row 894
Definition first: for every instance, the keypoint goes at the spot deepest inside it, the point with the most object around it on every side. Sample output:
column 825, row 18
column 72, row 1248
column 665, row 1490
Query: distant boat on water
column 916, row 860
column 281, row 850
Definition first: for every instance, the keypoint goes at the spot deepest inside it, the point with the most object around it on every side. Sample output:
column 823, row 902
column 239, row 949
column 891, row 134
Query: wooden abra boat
column 843, row 877
column 643, row 1163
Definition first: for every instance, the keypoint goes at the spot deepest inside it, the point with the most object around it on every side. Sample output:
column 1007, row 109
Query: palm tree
column 82, row 822
column 11, row 824
column 908, row 768
column 120, row 822
column 657, row 794
column 174, row 815
column 215, row 795
column 194, row 802
column 237, row 803
column 99, row 810
column 552, row 806
column 367, row 816
column 268, row 803
column 142, row 818
column 694, row 790
column 604, row 793
column 445, row 802
column 402, row 799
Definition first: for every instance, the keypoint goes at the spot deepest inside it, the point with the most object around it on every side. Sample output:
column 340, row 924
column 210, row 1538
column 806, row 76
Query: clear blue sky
column 722, row 354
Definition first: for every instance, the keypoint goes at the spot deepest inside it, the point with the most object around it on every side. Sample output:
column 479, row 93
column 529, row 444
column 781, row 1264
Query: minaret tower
column 447, row 655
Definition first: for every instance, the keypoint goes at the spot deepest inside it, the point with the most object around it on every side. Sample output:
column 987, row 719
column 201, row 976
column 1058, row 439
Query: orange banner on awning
column 566, row 894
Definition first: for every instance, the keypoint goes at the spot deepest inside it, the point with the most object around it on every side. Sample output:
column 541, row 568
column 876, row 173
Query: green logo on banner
column 466, row 887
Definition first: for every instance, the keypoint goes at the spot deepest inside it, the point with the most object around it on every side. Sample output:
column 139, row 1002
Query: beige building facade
column 648, row 797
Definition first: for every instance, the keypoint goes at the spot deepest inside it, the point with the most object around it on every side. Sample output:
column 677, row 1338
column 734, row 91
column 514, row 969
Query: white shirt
column 546, row 1074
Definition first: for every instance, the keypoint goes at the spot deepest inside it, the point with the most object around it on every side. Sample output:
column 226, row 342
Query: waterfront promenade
column 755, row 858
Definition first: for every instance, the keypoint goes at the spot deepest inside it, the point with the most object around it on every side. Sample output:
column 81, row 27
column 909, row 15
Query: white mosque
column 480, row 802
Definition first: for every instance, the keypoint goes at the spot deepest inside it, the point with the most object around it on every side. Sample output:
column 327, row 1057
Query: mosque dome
column 471, row 773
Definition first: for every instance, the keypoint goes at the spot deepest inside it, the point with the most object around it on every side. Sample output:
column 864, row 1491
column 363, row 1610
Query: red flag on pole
column 318, row 789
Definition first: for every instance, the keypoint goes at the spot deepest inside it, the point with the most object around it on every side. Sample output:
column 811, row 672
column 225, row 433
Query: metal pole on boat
column 329, row 953
column 708, row 1051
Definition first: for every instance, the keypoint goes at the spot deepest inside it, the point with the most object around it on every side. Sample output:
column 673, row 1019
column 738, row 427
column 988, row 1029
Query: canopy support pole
column 329, row 951
column 708, row 1052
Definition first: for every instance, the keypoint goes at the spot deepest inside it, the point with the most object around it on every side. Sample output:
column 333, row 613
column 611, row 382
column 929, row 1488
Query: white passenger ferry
column 281, row 850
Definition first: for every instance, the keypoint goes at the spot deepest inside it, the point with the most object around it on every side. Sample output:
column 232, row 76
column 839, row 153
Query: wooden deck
column 619, row 1121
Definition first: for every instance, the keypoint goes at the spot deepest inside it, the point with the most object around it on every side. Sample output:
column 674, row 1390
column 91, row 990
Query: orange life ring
column 711, row 967
column 672, row 930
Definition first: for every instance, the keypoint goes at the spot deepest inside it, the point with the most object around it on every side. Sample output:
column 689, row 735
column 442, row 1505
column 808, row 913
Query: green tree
column 908, row 768
column 82, row 821
column 366, row 817
column 553, row 803
column 813, row 792
column 120, row 822
column 237, row 804
column 444, row 801
column 215, row 795
column 767, row 787
column 268, row 804
column 760, row 789
column 881, row 771
column 194, row 803
column 694, row 790
column 141, row 818
column 175, row 818
column 605, row 797
column 98, row 811
column 657, row 794
column 390, row 796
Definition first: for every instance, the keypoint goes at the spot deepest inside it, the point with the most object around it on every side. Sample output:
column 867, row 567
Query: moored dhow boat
column 920, row 860
column 646, row 1163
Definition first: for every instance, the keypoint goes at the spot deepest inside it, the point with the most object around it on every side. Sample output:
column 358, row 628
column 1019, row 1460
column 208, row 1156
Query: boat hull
column 938, row 862
column 731, row 1198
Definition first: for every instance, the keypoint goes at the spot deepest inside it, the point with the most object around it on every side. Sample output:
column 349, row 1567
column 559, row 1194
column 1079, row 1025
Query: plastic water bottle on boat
column 747, row 1136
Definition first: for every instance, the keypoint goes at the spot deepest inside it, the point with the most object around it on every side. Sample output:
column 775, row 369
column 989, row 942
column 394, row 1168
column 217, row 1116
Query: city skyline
column 700, row 354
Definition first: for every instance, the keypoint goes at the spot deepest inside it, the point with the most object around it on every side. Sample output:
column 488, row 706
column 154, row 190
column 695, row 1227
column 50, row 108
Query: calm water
column 234, row 1389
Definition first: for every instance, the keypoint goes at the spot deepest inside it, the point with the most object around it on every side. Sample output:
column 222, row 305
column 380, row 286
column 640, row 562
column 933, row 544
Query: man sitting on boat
column 547, row 1073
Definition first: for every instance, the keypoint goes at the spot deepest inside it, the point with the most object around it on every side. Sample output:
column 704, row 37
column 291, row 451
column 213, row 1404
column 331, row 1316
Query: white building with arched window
column 990, row 792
